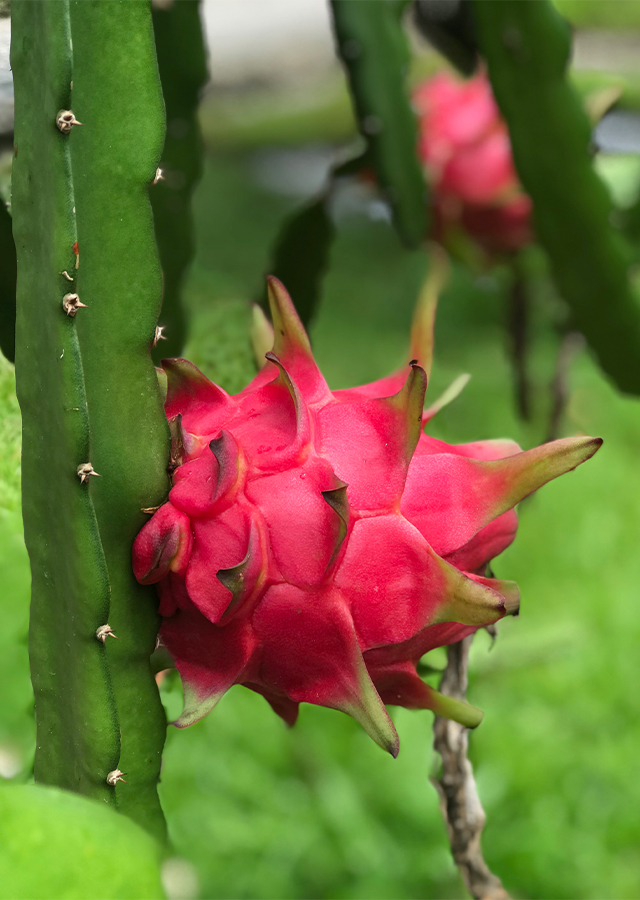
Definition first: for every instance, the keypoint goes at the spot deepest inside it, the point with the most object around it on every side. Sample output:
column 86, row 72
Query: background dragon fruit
column 465, row 147
column 316, row 544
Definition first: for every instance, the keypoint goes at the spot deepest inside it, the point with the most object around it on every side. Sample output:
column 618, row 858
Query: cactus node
column 71, row 304
column 104, row 631
column 84, row 471
column 65, row 120
column 114, row 777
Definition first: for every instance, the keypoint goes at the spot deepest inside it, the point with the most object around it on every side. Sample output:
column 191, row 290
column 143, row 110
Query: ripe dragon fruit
column 316, row 544
column 465, row 146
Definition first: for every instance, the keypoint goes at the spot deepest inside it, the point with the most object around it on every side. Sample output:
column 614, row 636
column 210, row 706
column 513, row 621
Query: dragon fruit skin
column 465, row 146
column 315, row 544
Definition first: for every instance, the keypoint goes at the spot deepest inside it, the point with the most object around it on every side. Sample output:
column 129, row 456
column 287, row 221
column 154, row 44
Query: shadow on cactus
column 316, row 544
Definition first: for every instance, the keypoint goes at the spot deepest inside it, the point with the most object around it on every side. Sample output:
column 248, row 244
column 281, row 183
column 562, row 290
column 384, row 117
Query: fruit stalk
column 461, row 806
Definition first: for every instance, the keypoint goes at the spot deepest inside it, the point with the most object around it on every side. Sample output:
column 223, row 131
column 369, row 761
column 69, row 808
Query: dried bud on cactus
column 65, row 120
column 71, row 304
column 316, row 544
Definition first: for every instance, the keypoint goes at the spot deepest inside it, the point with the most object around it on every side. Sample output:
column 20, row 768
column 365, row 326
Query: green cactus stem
column 373, row 47
column 527, row 48
column 7, row 285
column 183, row 72
column 301, row 255
column 117, row 96
column 77, row 726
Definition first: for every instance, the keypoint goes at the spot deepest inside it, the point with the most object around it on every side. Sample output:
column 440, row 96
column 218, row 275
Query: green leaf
column 55, row 845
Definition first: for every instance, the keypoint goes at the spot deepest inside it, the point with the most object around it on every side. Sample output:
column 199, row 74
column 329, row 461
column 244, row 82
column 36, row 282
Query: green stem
column 183, row 71
column 117, row 96
column 374, row 49
column 77, row 727
column 527, row 48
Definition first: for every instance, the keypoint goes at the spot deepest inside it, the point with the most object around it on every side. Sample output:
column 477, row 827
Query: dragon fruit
column 465, row 146
column 316, row 544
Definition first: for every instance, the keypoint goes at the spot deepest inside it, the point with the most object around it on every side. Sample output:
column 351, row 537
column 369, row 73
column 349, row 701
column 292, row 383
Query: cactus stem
column 71, row 304
column 159, row 336
column 114, row 777
column 159, row 176
column 65, row 120
column 104, row 631
column 84, row 471
column 66, row 275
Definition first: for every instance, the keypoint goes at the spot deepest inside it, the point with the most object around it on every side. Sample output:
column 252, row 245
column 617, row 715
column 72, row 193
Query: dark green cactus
column 7, row 285
column 183, row 72
column 374, row 49
column 87, row 386
column 77, row 727
column 527, row 48
column 301, row 255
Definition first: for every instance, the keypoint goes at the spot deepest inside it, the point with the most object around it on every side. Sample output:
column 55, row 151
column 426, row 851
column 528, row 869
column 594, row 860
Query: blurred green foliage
column 319, row 811
column 57, row 844
column 613, row 14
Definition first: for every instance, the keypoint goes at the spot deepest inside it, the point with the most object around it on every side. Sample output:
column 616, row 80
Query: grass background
column 320, row 811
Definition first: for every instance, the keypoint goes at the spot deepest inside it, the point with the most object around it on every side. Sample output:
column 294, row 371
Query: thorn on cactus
column 104, row 631
column 85, row 471
column 66, row 275
column 65, row 120
column 71, row 304
column 159, row 176
column 115, row 776
column 158, row 336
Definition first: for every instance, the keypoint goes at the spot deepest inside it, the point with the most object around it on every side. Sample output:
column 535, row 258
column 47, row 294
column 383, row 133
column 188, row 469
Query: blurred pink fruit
column 465, row 147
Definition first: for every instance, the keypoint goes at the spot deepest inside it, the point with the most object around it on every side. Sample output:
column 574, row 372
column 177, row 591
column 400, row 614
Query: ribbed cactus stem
column 78, row 740
column 95, row 436
column 527, row 47
column 183, row 72
column 117, row 97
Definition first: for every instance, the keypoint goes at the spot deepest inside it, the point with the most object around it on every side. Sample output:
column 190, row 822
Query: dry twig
column 456, row 785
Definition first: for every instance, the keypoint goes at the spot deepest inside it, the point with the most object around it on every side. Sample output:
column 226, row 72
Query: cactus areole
column 316, row 544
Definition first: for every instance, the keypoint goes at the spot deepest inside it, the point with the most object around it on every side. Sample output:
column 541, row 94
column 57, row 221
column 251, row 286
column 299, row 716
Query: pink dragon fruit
column 465, row 146
column 316, row 544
